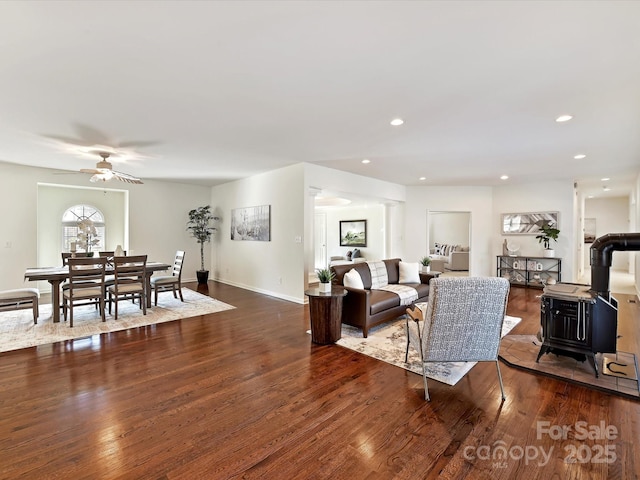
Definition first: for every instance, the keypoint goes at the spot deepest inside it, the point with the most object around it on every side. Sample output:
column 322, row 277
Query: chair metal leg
column 426, row 387
column 500, row 380
column 406, row 353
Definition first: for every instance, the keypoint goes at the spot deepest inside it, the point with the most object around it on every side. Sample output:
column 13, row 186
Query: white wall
column 477, row 200
column 612, row 216
column 449, row 228
column 276, row 267
column 157, row 219
column 538, row 197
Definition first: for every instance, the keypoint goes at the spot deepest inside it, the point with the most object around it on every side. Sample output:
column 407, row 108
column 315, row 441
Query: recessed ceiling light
column 366, row 160
column 423, row 178
column 589, row 196
column 605, row 188
column 563, row 118
column 605, row 179
column 504, row 177
column 580, row 156
column 397, row 121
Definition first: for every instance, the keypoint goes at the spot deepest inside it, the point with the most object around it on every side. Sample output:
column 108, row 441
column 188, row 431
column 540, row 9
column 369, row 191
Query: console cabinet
column 529, row 271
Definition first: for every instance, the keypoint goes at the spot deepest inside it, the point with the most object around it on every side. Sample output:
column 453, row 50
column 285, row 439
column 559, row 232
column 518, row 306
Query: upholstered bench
column 19, row 299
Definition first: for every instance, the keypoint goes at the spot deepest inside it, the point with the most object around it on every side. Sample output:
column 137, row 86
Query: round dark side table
column 325, row 312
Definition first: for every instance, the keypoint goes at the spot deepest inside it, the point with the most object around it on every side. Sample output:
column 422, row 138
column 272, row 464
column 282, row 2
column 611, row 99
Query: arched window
column 84, row 226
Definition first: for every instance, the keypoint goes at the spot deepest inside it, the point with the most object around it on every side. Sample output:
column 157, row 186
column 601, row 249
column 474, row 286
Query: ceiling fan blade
column 125, row 177
column 92, row 171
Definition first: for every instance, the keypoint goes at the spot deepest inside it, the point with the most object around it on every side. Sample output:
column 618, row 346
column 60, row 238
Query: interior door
column 320, row 241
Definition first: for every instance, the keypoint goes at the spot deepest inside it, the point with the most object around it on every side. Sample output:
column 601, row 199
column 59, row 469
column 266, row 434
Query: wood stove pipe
column 600, row 258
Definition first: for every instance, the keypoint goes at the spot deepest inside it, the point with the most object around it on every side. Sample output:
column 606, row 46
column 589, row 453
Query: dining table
column 56, row 275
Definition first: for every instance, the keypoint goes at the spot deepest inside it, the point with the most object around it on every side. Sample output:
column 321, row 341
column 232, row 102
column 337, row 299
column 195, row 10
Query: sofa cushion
column 422, row 288
column 353, row 279
column 409, row 272
column 381, row 301
column 392, row 270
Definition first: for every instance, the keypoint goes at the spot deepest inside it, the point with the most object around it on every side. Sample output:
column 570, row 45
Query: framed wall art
column 353, row 233
column 251, row 223
column 527, row 223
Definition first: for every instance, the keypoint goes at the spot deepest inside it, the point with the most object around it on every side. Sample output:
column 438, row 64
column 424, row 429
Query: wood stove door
column 566, row 324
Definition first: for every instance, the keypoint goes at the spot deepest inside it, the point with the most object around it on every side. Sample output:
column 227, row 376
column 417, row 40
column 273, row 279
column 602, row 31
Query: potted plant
column 201, row 228
column 325, row 276
column 547, row 233
column 426, row 264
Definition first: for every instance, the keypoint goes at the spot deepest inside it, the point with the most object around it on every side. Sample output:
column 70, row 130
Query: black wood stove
column 582, row 320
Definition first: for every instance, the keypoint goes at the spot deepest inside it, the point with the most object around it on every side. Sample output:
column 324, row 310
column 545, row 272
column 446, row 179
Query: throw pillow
column 349, row 253
column 355, row 254
column 409, row 272
column 352, row 279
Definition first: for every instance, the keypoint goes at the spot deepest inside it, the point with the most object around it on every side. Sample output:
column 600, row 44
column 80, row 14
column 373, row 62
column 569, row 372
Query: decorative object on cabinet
column 529, row 271
column 526, row 223
column 548, row 232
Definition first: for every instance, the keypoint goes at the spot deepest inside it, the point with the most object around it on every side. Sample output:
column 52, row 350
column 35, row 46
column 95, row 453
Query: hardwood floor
column 245, row 394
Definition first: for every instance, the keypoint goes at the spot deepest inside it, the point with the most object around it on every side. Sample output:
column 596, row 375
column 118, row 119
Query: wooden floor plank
column 245, row 393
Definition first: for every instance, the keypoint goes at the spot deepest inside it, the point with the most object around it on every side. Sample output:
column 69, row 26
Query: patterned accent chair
column 462, row 322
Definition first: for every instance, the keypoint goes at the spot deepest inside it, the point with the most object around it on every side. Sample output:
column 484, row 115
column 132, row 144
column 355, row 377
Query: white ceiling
column 207, row 92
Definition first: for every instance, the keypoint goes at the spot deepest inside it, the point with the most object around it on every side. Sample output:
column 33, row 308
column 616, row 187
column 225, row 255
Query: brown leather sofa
column 366, row 308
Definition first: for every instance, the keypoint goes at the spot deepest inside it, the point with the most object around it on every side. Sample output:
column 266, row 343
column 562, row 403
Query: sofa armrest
column 426, row 277
column 458, row 261
column 356, row 305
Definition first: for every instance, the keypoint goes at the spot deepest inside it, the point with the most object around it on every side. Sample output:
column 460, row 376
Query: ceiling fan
column 104, row 172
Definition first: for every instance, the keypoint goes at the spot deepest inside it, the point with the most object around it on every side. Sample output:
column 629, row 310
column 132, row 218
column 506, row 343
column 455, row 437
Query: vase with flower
column 87, row 235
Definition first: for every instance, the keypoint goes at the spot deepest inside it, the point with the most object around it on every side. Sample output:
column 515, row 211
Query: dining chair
column 461, row 322
column 130, row 281
column 67, row 255
column 86, row 285
column 171, row 282
column 109, row 277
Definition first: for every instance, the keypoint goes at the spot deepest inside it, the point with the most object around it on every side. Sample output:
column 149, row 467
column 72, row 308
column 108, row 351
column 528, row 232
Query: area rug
column 18, row 331
column 388, row 342
column 521, row 351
